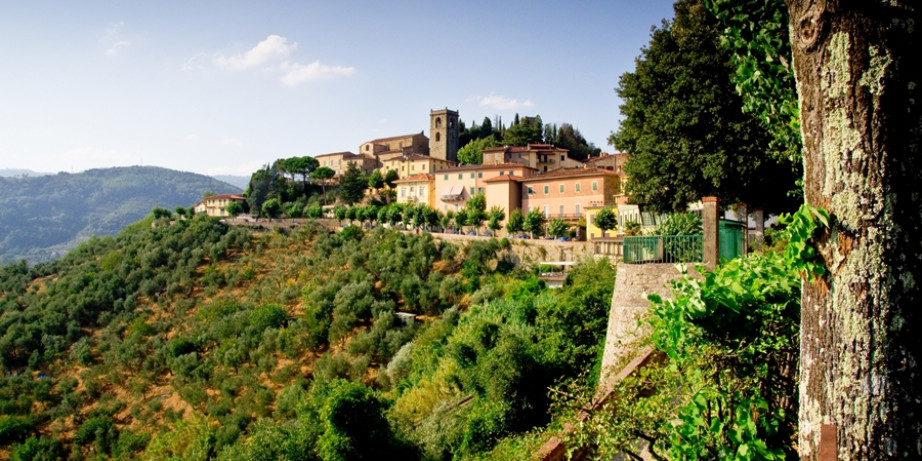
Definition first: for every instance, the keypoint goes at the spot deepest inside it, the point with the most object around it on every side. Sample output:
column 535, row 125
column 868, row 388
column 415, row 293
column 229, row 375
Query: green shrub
column 632, row 228
column 100, row 431
column 15, row 428
column 680, row 224
column 38, row 449
column 268, row 316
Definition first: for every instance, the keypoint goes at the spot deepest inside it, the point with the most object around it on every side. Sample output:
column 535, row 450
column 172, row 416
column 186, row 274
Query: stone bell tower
column 444, row 133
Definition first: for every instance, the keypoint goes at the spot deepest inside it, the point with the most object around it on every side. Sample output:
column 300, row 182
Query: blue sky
column 225, row 87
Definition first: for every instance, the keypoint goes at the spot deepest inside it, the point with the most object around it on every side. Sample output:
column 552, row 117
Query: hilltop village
column 535, row 176
column 530, row 177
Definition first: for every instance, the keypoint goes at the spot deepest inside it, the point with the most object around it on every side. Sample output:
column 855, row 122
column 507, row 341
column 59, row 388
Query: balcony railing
column 664, row 249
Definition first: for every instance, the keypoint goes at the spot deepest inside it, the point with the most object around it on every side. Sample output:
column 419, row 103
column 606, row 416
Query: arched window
column 438, row 122
column 438, row 137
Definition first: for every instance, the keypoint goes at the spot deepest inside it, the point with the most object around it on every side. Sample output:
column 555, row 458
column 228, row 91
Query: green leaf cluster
column 684, row 126
column 756, row 33
column 606, row 219
column 723, row 386
column 799, row 233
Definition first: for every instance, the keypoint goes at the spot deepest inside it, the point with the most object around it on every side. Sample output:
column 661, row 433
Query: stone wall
column 629, row 304
column 530, row 251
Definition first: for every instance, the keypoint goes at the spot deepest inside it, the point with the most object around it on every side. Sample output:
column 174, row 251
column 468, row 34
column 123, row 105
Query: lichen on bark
column 836, row 71
column 856, row 78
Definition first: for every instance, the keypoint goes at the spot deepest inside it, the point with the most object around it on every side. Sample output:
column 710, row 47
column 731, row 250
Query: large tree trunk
column 857, row 67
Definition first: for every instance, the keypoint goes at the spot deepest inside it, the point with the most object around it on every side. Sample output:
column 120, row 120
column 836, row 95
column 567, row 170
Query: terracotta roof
column 462, row 168
column 570, row 173
column 344, row 154
column 504, row 178
column 605, row 156
column 417, row 178
column 410, row 156
column 498, row 166
column 501, row 166
column 225, row 196
column 394, row 137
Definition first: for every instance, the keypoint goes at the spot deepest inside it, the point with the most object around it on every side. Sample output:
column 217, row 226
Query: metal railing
column 663, row 249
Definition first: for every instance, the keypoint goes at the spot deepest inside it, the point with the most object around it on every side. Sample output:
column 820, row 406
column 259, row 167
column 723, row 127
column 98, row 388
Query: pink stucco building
column 565, row 193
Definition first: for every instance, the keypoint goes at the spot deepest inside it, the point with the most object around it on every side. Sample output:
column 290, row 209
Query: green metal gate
column 730, row 239
column 663, row 249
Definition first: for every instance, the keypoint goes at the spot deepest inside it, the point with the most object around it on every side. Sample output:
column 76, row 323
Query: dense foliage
column 188, row 339
column 756, row 33
column 685, row 128
column 42, row 217
column 290, row 182
column 522, row 131
column 726, row 384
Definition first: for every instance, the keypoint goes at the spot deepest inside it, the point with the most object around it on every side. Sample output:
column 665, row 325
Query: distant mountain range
column 16, row 172
column 239, row 181
column 42, row 217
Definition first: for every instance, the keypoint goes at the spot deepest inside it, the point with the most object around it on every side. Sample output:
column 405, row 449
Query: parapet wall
column 531, row 251
column 629, row 304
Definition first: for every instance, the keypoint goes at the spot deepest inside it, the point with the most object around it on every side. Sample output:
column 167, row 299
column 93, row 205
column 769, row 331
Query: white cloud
column 298, row 73
column 117, row 47
column 273, row 48
column 498, row 102
column 113, row 40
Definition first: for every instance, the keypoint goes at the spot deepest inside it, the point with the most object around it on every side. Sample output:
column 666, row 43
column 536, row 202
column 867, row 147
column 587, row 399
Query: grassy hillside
column 199, row 341
column 43, row 217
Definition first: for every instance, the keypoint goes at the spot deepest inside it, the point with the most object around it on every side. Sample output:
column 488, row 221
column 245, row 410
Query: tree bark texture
column 857, row 66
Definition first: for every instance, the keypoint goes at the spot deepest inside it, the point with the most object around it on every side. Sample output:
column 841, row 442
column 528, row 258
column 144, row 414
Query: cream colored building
column 407, row 165
column 216, row 205
column 339, row 161
column 541, row 157
column 415, row 189
column 407, row 144
column 614, row 162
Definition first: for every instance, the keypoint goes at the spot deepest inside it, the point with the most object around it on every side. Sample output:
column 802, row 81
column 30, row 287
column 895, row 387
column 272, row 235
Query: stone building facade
column 444, row 132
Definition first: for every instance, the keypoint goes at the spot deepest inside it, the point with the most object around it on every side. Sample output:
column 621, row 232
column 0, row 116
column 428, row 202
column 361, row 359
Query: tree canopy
column 524, row 131
column 352, row 184
column 298, row 166
column 472, row 152
column 684, row 126
column 605, row 219
column 567, row 137
column 756, row 33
